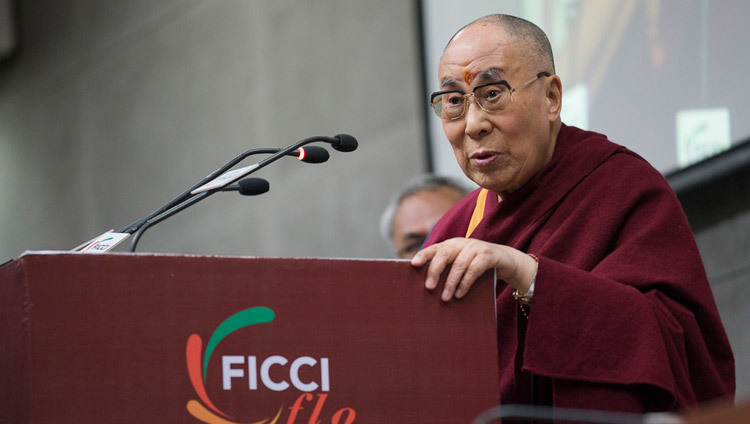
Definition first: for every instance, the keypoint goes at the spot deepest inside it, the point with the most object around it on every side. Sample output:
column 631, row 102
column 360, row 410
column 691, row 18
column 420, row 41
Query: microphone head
column 312, row 154
column 253, row 186
column 344, row 143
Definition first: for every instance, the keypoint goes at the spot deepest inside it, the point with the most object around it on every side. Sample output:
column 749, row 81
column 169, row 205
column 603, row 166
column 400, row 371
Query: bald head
column 538, row 51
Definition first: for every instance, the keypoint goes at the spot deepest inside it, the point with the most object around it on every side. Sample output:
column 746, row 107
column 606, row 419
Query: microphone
column 312, row 154
column 344, row 143
column 219, row 179
column 249, row 186
column 246, row 187
column 341, row 142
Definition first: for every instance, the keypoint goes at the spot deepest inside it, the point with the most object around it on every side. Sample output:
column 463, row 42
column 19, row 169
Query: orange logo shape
column 207, row 411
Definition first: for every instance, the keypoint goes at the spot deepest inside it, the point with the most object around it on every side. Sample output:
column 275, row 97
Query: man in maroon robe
column 602, row 299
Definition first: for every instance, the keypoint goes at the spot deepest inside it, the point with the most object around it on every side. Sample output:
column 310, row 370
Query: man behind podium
column 414, row 210
column 602, row 299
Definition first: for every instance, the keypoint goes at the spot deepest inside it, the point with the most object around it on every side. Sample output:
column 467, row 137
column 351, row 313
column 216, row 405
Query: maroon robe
column 622, row 317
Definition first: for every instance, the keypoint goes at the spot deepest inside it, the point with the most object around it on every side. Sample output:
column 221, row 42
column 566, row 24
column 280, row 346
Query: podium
column 122, row 338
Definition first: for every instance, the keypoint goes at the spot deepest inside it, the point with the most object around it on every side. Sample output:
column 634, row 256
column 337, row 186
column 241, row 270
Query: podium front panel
column 190, row 339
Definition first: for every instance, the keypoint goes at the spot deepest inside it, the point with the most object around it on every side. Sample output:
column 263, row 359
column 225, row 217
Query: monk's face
column 502, row 150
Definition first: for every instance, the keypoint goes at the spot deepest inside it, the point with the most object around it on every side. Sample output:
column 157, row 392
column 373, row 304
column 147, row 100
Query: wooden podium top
column 169, row 338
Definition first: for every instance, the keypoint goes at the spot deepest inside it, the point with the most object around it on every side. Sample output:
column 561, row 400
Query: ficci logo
column 209, row 413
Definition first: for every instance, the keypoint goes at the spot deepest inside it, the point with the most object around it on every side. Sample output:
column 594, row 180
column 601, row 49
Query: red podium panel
column 189, row 339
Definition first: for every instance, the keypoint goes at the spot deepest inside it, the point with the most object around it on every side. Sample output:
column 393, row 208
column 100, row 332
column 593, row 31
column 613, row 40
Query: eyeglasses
column 491, row 97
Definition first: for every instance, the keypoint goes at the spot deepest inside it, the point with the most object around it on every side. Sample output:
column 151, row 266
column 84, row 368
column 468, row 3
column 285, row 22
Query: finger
column 461, row 263
column 424, row 255
column 478, row 266
column 444, row 254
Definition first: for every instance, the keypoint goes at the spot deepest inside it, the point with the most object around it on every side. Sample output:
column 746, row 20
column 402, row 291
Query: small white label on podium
column 103, row 243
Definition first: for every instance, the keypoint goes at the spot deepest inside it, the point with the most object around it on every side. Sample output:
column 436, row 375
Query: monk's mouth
column 484, row 158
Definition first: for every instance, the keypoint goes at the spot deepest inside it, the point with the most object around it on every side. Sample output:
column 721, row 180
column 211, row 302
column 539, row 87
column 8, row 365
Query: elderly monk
column 602, row 299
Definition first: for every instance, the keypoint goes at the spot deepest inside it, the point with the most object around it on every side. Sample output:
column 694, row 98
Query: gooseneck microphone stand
column 341, row 142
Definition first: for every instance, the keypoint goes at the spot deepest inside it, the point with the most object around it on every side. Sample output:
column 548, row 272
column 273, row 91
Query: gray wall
column 716, row 197
column 112, row 108
column 725, row 248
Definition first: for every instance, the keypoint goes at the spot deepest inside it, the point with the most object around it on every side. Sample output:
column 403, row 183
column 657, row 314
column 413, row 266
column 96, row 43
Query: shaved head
column 539, row 51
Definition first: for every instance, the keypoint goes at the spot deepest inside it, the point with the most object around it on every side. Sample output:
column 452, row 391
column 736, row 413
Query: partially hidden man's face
column 502, row 150
column 417, row 214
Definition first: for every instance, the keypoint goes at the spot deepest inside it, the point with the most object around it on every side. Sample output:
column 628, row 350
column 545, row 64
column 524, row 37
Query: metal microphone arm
column 175, row 206
column 246, row 187
column 164, row 215
column 340, row 142
column 131, row 228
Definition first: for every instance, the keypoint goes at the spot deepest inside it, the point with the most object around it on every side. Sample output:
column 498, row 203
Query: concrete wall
column 716, row 197
column 725, row 249
column 112, row 108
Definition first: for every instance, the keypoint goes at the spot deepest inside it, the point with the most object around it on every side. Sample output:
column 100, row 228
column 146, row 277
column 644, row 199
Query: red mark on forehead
column 467, row 76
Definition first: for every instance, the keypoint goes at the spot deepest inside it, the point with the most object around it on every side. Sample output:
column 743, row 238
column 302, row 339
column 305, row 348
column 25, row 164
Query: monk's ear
column 554, row 97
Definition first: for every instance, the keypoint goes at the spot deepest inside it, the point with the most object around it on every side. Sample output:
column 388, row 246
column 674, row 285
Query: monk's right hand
column 469, row 259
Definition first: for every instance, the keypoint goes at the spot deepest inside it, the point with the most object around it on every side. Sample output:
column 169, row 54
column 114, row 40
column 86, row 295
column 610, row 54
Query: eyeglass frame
column 466, row 96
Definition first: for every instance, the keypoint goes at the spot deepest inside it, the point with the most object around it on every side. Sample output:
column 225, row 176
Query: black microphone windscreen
column 253, row 186
column 313, row 154
column 345, row 143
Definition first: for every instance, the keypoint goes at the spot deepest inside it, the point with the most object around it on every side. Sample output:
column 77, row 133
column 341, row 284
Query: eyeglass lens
column 452, row 105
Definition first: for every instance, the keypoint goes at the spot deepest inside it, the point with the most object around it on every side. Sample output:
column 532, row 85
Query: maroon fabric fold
column 622, row 308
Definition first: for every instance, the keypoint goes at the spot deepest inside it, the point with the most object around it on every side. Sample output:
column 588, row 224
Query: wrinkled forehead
column 467, row 61
column 479, row 71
